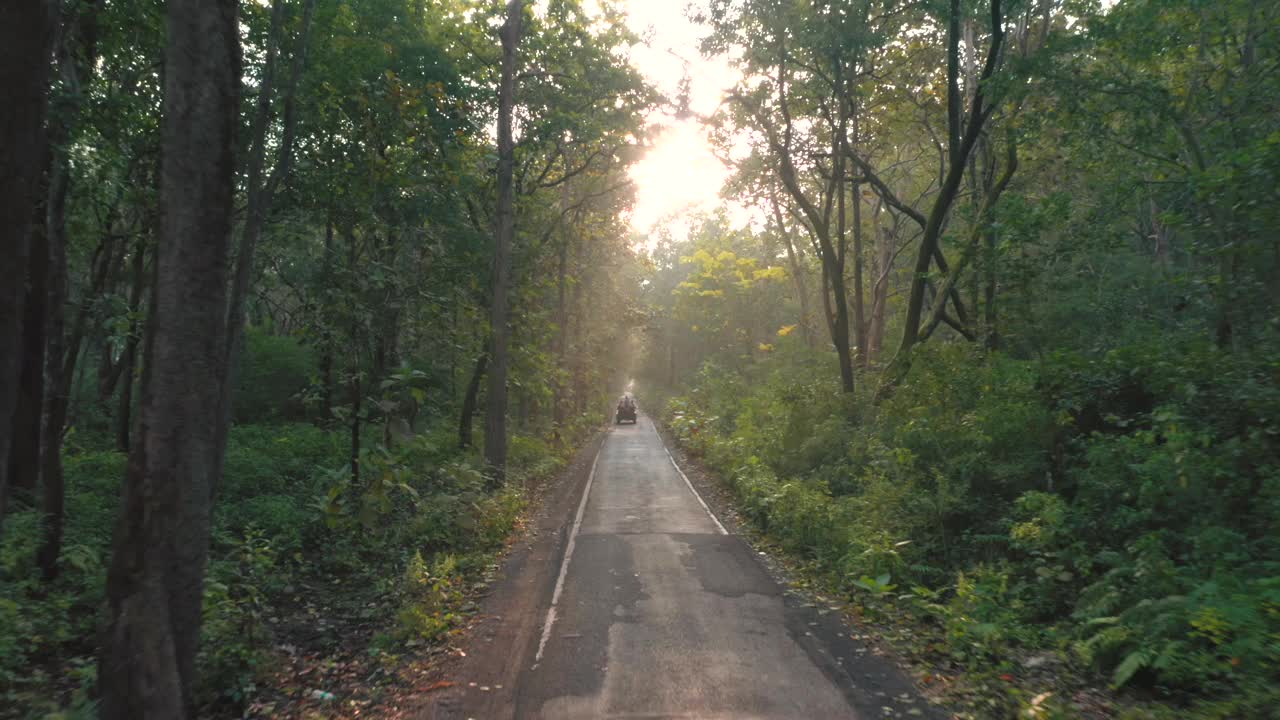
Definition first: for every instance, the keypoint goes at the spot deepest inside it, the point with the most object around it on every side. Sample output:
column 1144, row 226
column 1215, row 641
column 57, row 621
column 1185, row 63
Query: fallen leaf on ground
column 439, row 685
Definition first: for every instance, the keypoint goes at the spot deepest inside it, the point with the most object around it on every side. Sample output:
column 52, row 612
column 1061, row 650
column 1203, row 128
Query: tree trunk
column 859, row 311
column 100, row 265
column 357, row 398
column 155, row 584
column 326, row 337
column 880, row 290
column 469, row 401
column 24, row 458
column 558, row 412
column 818, row 221
column 57, row 379
column 124, row 415
column 960, row 145
column 260, row 197
column 859, row 302
column 797, row 274
column 113, row 255
column 26, row 39
column 76, row 59
column 495, row 426
column 841, row 337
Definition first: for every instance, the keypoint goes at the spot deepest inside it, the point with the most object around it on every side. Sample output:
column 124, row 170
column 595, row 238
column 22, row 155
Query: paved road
column 658, row 613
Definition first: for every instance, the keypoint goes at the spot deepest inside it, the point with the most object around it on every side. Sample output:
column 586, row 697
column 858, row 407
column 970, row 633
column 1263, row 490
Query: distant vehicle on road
column 626, row 410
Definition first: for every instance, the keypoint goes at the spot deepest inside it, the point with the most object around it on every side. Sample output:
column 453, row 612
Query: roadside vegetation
column 308, row 574
column 1049, row 447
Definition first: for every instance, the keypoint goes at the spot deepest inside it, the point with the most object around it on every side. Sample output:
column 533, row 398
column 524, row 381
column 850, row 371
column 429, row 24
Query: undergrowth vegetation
column 1117, row 511
column 291, row 533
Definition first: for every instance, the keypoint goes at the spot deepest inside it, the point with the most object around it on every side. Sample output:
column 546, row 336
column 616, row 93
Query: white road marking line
column 684, row 477
column 564, row 564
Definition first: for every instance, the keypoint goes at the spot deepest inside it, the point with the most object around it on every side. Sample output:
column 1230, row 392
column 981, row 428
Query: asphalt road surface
column 656, row 612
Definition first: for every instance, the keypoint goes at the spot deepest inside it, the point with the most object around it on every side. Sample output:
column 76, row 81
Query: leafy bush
column 234, row 636
column 432, row 595
column 274, row 371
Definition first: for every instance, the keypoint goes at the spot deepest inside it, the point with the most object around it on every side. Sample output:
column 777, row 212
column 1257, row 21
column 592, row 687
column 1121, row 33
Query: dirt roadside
column 481, row 670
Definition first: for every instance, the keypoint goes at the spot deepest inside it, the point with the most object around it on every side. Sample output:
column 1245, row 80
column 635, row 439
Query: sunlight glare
column 679, row 174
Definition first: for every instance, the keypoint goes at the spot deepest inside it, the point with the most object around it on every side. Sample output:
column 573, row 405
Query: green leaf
column 1132, row 663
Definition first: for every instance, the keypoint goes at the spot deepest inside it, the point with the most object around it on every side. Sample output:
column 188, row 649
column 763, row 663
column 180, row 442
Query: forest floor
column 329, row 662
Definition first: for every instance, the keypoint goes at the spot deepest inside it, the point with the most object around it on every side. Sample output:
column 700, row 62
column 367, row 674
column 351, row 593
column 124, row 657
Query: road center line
column 693, row 490
column 550, row 621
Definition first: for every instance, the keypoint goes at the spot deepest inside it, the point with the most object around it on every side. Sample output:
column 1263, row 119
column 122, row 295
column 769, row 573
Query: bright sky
column 679, row 175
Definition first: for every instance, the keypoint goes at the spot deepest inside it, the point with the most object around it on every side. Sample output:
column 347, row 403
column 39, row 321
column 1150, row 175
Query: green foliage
column 234, row 638
column 273, row 374
column 1123, row 505
column 47, row 629
column 432, row 596
column 268, row 538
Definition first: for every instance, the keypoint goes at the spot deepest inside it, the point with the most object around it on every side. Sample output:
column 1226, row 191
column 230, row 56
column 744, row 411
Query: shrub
column 233, row 636
column 274, row 371
column 431, row 595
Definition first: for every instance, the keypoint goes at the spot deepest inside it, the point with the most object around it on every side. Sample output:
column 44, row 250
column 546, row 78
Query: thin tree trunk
column 961, row 144
column 260, row 195
column 326, row 338
column 26, row 38
column 155, row 584
column 797, row 276
column 465, row 436
column 495, row 435
column 835, row 267
column 859, row 311
column 818, row 223
column 76, row 59
column 356, row 403
column 976, row 234
column 880, row 290
column 124, row 415
column 100, row 269
column 562, row 326
column 113, row 260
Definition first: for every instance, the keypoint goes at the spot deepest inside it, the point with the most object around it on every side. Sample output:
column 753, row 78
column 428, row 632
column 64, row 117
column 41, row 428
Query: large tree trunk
column 24, row 458
column 495, row 425
column 26, row 39
column 155, row 584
